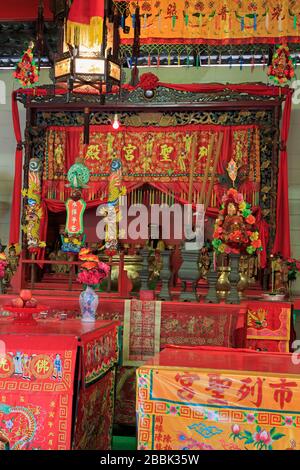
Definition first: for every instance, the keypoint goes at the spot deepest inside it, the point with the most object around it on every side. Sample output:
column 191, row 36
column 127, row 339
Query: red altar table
column 57, row 384
column 218, row 399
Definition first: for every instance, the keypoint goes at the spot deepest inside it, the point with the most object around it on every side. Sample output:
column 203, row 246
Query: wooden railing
column 29, row 269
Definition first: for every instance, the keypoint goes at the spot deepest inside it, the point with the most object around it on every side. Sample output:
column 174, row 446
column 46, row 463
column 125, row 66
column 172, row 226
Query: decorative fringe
column 88, row 35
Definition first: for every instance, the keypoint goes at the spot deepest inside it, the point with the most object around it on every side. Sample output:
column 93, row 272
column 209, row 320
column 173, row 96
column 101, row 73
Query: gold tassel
column 88, row 35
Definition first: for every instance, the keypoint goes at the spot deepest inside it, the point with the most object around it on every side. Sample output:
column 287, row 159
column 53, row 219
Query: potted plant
column 92, row 273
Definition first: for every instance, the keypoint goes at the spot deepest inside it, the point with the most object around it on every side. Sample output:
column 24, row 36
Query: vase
column 88, row 301
column 223, row 284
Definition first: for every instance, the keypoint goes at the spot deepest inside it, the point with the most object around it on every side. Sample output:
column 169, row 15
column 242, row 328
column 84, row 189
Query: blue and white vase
column 88, row 301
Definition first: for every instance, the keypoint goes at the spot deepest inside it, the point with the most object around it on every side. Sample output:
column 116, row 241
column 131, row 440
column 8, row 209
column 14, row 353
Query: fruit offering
column 25, row 300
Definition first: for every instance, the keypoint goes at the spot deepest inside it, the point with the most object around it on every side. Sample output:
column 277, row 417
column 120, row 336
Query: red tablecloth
column 268, row 329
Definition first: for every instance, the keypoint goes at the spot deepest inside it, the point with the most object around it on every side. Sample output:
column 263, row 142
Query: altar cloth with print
column 218, row 398
column 40, row 370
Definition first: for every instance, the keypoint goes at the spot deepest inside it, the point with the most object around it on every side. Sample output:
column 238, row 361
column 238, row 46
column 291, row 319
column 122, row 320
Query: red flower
column 276, row 12
column 256, row 243
column 199, row 6
column 250, row 219
column 252, row 6
column 146, row 6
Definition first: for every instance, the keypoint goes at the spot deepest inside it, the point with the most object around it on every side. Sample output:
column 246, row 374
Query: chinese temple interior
column 149, row 225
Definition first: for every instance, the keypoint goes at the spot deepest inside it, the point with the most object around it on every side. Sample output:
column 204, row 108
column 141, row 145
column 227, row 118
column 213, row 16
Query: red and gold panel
column 269, row 326
column 99, row 353
column 93, row 429
column 36, row 388
column 147, row 153
column 211, row 22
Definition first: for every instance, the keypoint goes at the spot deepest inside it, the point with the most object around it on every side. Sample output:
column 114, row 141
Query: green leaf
column 277, row 436
column 249, row 441
column 258, row 428
column 248, row 434
column 250, row 15
column 273, row 430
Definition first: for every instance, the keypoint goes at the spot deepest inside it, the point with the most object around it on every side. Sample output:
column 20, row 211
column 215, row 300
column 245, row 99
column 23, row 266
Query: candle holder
column 144, row 272
column 165, row 275
column 212, row 277
column 189, row 275
column 234, row 277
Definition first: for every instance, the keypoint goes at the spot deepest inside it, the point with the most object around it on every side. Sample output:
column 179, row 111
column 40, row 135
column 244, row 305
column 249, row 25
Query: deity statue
column 13, row 258
column 204, row 262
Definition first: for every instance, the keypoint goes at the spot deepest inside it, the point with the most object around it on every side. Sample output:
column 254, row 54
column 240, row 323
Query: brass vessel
column 132, row 265
column 223, row 284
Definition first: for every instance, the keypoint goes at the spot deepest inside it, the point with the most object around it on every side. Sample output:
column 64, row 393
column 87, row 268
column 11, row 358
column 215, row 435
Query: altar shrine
column 149, row 238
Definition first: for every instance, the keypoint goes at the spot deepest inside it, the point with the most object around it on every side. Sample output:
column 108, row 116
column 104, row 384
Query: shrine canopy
column 20, row 10
column 67, row 139
column 211, row 22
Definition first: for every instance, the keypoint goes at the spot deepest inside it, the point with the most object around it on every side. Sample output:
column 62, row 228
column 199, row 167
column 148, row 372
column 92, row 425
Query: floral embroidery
column 260, row 439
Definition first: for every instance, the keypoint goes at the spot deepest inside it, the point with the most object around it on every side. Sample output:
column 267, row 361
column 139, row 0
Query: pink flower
column 238, row 198
column 173, row 410
column 288, row 421
column 265, row 437
column 250, row 418
column 235, row 429
column 142, row 381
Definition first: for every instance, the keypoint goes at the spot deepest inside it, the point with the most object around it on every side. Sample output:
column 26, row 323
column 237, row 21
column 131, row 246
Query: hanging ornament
column 282, row 68
column 232, row 170
column 26, row 71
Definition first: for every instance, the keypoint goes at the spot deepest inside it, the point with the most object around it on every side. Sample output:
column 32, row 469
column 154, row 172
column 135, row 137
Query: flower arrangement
column 235, row 230
column 148, row 81
column 3, row 265
column 282, row 68
column 92, row 271
column 26, row 71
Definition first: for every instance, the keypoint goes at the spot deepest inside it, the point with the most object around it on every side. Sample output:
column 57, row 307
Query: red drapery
column 14, row 234
column 282, row 242
column 18, row 10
